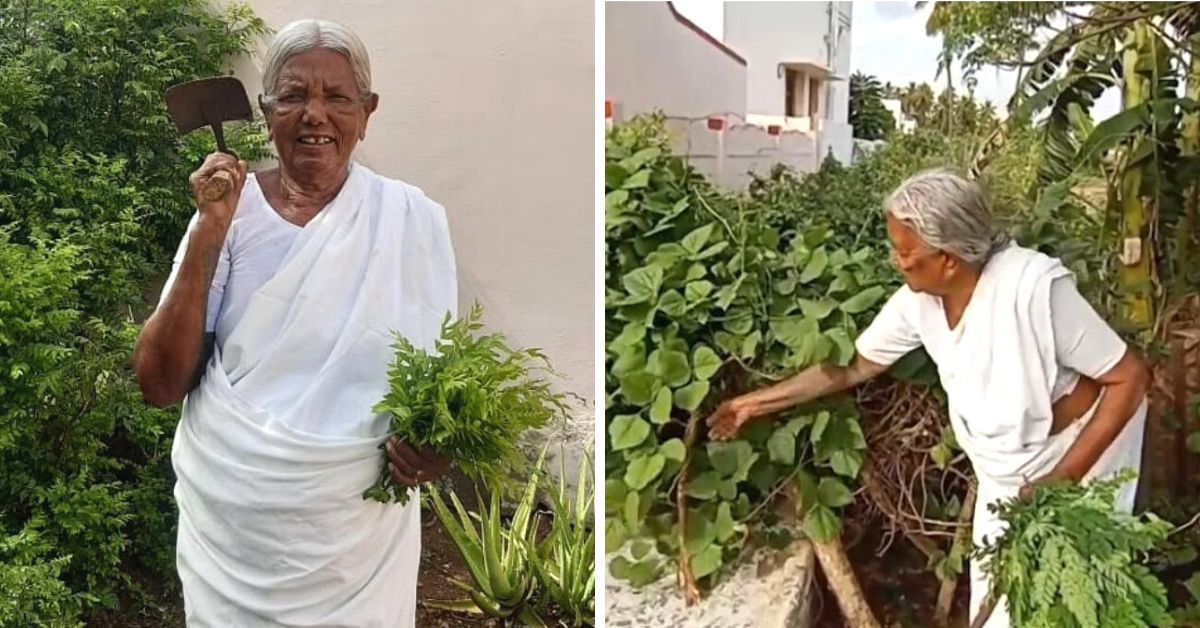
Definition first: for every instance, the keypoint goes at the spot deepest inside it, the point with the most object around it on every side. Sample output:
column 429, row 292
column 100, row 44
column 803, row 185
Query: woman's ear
column 266, row 111
column 952, row 265
column 369, row 108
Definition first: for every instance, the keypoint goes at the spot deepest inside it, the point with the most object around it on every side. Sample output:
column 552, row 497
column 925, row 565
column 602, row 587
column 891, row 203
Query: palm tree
column 916, row 101
column 870, row 119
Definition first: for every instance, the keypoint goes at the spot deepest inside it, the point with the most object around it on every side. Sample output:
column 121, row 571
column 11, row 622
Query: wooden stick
column 985, row 611
column 687, row 580
column 945, row 601
column 832, row 557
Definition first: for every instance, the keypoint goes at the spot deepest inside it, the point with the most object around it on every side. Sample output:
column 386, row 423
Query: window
column 814, row 97
column 791, row 81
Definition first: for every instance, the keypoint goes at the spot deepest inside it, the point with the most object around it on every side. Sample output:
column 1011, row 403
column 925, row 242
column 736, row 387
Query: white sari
column 1001, row 374
column 273, row 529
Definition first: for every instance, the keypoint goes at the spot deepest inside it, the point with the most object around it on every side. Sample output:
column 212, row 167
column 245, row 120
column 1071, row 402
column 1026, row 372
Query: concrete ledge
column 769, row 589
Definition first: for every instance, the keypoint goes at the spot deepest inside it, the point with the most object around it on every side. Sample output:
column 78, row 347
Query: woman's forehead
column 903, row 236
column 319, row 66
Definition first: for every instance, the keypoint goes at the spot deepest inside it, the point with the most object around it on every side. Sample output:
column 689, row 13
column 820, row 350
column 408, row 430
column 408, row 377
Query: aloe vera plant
column 566, row 561
column 500, row 561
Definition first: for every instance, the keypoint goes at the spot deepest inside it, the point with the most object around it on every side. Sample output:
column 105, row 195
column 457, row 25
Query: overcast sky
column 888, row 41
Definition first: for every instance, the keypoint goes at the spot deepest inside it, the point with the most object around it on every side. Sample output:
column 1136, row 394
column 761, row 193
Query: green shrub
column 708, row 294
column 93, row 201
column 33, row 592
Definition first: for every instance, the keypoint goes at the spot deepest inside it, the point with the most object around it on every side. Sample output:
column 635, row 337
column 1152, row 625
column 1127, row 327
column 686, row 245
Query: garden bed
column 899, row 587
column 441, row 564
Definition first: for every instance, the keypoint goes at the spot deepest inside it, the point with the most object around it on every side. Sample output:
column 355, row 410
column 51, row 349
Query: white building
column 798, row 67
column 904, row 124
column 777, row 82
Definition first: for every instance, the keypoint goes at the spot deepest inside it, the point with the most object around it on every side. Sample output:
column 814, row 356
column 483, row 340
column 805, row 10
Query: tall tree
column 870, row 119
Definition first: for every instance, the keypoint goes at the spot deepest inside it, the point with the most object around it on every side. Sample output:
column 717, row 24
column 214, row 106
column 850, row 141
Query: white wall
column 653, row 61
column 839, row 135
column 489, row 107
column 904, row 123
column 743, row 149
column 840, row 90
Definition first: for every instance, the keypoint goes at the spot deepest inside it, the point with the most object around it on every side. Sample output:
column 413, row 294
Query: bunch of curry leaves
column 1067, row 560
column 471, row 399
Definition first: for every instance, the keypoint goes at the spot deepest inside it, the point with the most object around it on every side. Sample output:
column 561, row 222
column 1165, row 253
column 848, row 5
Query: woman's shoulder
column 1019, row 270
column 398, row 193
column 913, row 306
column 1016, row 256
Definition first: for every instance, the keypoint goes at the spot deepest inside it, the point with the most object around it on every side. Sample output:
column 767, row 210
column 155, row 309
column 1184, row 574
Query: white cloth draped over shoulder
column 273, row 529
column 1002, row 369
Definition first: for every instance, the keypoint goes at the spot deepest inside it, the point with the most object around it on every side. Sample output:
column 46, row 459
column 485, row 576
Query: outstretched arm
column 812, row 383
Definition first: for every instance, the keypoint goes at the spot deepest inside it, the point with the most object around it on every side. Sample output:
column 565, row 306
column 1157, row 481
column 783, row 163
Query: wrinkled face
column 317, row 115
column 924, row 269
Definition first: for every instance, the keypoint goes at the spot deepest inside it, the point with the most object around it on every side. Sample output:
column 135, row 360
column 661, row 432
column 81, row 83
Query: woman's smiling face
column 317, row 116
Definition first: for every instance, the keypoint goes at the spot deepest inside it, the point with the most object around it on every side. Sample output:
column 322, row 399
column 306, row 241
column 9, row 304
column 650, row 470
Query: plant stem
column 691, row 590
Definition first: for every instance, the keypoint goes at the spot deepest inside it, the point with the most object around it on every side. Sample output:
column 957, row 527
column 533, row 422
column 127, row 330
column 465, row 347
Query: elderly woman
column 276, row 325
column 1040, row 388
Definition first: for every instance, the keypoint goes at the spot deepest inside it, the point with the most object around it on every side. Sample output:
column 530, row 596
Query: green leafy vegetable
column 1067, row 560
column 471, row 399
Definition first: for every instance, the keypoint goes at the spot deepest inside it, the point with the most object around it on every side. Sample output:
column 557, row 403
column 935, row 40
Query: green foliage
column 870, row 119
column 501, row 559
column 707, row 295
column 88, row 149
column 93, row 200
column 1146, row 152
column 916, row 102
column 991, row 33
column 34, row 593
column 1189, row 614
column 1066, row 560
column 471, row 399
column 956, row 114
column 68, row 409
column 566, row 558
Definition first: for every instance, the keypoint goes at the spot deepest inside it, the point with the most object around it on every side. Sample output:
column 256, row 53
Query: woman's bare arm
column 173, row 348
column 812, row 383
column 1124, row 389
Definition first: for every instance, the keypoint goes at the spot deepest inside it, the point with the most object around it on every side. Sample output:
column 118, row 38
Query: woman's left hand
column 1053, row 478
column 412, row 466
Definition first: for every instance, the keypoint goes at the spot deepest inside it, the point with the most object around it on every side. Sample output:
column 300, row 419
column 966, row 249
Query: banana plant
column 566, row 565
column 500, row 560
column 1147, row 153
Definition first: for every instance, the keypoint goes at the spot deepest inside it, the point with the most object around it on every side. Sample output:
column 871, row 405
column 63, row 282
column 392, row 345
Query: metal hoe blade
column 208, row 102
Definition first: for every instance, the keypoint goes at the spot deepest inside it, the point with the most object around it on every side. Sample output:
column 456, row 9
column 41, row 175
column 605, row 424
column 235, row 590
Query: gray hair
column 304, row 35
column 949, row 213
